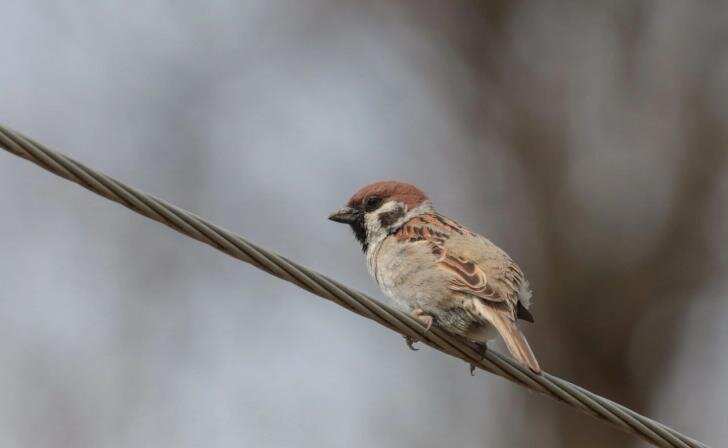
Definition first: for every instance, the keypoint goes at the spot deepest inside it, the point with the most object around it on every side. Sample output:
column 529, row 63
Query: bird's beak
column 345, row 215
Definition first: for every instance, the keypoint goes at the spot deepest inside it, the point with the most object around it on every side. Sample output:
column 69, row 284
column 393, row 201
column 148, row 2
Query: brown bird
column 438, row 270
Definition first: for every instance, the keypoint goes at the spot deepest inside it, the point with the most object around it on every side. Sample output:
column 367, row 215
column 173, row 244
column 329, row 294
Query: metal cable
column 234, row 245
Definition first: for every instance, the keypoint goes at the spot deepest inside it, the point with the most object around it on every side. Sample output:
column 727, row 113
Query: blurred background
column 587, row 139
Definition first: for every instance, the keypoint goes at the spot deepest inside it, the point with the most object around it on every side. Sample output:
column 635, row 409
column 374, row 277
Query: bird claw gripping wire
column 410, row 341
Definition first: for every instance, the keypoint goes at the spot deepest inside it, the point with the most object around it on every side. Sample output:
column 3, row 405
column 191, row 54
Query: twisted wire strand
column 236, row 246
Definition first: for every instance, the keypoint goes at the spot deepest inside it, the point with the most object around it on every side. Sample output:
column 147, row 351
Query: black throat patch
column 360, row 231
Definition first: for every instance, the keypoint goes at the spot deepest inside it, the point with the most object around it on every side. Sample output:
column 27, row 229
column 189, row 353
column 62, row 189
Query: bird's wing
column 477, row 266
column 480, row 269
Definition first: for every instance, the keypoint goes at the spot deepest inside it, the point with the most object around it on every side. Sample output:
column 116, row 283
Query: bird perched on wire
column 438, row 270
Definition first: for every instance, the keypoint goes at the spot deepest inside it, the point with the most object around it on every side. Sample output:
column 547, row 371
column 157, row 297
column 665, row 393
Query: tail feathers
column 518, row 346
column 512, row 336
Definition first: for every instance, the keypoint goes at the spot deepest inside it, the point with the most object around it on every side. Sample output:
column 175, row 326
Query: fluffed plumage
column 438, row 269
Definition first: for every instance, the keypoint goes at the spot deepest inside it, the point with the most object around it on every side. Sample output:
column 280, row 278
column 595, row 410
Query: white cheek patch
column 376, row 231
column 373, row 223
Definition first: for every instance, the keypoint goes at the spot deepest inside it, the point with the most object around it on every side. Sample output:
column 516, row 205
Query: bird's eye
column 371, row 203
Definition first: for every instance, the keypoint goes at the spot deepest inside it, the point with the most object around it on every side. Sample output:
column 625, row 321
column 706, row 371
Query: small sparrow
column 438, row 270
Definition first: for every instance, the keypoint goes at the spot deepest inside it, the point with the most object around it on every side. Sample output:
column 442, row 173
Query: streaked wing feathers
column 469, row 278
column 445, row 236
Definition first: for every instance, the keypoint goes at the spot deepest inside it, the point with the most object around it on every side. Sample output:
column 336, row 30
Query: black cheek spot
column 386, row 219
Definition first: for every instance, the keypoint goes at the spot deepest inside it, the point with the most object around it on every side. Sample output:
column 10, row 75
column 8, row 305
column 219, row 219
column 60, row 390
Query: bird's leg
column 483, row 348
column 425, row 319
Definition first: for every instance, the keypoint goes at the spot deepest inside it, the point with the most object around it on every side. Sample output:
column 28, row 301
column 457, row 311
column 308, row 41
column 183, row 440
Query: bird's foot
column 483, row 349
column 410, row 341
column 426, row 319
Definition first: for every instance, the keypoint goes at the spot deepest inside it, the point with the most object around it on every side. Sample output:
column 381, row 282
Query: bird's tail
column 512, row 336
